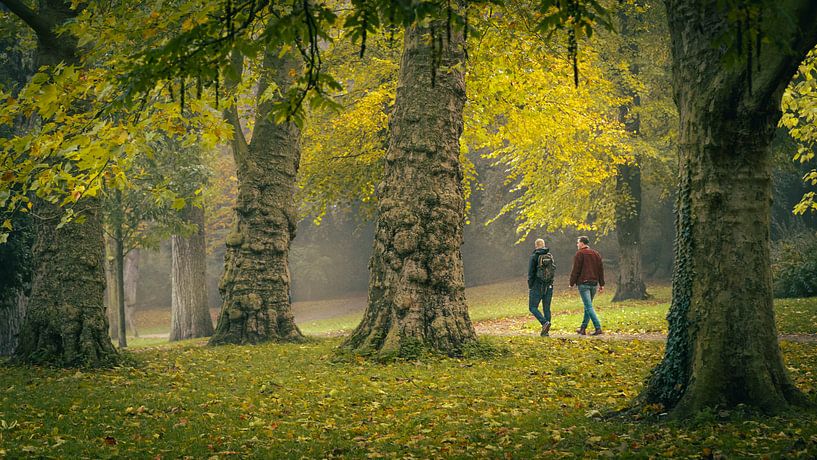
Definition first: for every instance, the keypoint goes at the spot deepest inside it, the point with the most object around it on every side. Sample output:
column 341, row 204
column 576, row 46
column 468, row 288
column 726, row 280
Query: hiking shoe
column 597, row 332
column 581, row 331
column 545, row 329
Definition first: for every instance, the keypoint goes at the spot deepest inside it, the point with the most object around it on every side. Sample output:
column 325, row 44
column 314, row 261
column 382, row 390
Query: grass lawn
column 540, row 398
column 509, row 299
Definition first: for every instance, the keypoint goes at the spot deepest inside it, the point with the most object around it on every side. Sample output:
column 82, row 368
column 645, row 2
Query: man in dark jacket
column 540, row 290
column 588, row 274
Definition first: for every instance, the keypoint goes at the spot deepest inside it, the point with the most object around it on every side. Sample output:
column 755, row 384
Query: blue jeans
column 587, row 292
column 540, row 294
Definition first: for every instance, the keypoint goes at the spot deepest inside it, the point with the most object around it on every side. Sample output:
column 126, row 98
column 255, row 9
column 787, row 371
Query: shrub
column 794, row 266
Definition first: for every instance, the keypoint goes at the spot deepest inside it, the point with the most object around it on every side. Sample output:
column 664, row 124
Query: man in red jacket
column 588, row 274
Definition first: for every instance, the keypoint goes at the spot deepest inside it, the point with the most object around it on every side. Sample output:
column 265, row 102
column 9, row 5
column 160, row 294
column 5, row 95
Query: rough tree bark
column 65, row 323
column 628, row 182
column 416, row 286
column 256, row 282
column 190, row 315
column 722, row 347
column 628, row 232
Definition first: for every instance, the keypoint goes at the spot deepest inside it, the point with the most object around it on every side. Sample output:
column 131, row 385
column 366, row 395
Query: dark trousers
column 542, row 294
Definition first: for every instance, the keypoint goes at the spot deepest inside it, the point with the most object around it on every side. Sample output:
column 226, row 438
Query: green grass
column 299, row 401
column 509, row 299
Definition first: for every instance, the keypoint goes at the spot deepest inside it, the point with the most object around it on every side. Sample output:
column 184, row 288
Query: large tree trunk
column 416, row 285
column 628, row 179
column 190, row 315
column 256, row 282
column 65, row 323
column 628, row 231
column 722, row 348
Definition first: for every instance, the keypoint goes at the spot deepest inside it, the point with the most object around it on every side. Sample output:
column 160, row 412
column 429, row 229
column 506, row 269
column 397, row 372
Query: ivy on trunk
column 722, row 347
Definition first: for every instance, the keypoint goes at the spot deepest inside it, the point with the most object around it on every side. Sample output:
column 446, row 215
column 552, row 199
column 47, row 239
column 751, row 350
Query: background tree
column 16, row 67
column 722, row 348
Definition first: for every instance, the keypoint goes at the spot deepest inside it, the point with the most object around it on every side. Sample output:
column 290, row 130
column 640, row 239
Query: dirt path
column 516, row 327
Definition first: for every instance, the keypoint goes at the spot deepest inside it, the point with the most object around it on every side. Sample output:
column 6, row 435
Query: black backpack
column 545, row 268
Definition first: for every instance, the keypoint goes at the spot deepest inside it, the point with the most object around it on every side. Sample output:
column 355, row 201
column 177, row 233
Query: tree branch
column 39, row 24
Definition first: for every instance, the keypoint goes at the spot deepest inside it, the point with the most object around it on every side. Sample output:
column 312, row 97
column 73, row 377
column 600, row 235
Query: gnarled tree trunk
column 722, row 348
column 190, row 315
column 255, row 285
column 416, row 285
column 65, row 323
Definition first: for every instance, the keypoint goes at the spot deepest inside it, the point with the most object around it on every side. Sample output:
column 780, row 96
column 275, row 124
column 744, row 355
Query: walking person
column 588, row 275
column 541, row 271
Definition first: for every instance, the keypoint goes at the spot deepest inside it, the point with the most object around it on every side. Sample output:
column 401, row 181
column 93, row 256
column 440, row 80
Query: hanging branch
column 363, row 35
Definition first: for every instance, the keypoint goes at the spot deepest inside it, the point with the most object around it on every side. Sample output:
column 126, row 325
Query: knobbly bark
column 256, row 282
column 722, row 347
column 416, row 286
column 65, row 323
column 190, row 315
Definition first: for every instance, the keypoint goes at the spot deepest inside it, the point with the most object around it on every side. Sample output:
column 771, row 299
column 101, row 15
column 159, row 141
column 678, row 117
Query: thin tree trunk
column 416, row 285
column 722, row 347
column 119, row 274
column 65, row 323
column 15, row 282
column 190, row 315
column 131, row 283
column 111, row 302
column 256, row 282
column 12, row 312
column 628, row 179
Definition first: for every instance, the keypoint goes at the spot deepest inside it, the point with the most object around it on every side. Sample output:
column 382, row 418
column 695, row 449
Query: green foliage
column 82, row 137
column 799, row 107
column 794, row 266
column 560, row 145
